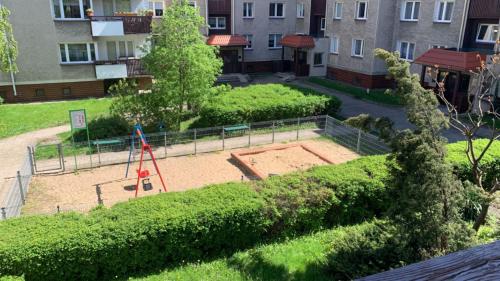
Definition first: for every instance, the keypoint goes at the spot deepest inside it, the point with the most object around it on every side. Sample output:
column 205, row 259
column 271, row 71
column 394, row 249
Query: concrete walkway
column 352, row 107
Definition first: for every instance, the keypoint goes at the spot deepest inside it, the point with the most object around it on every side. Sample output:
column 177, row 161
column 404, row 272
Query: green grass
column 376, row 95
column 16, row 119
column 298, row 259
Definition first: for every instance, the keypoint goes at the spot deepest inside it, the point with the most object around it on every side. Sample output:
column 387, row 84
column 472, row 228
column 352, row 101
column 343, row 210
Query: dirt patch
column 77, row 191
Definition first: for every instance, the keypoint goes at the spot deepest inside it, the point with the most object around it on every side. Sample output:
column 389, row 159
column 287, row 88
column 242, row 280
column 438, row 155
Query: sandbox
column 77, row 191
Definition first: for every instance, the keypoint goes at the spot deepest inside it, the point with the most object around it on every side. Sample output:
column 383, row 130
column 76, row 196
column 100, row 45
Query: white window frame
column 152, row 5
column 408, row 44
column 66, row 53
column 251, row 42
column 336, row 13
column 353, row 48
column 275, row 16
column 322, row 24
column 403, row 10
column 358, row 4
column 117, row 45
column 217, row 26
column 490, row 27
column 437, row 15
column 300, row 11
column 61, row 10
column 276, row 41
column 322, row 59
column 249, row 8
column 334, row 41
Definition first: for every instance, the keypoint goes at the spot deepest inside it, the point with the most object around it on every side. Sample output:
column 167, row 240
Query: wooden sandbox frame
column 238, row 156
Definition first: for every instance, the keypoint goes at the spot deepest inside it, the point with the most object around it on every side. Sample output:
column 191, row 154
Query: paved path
column 352, row 107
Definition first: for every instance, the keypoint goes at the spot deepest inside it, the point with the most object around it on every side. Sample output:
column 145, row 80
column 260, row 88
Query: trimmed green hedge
column 264, row 102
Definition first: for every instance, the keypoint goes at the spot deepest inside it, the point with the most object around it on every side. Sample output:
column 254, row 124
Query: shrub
column 104, row 128
column 262, row 103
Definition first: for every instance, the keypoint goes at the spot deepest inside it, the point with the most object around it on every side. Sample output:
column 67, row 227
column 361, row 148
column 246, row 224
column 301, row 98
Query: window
column 66, row 91
column 444, row 10
column 337, row 13
column 276, row 10
column 249, row 38
column 247, row 10
column 406, row 50
column 157, row 7
column 437, row 46
column 217, row 22
column 323, row 24
column 318, row 59
column 192, row 4
column 487, row 33
column 70, row 9
column 77, row 53
column 39, row 92
column 274, row 41
column 300, row 10
column 357, row 47
column 361, row 7
column 410, row 10
column 334, row 45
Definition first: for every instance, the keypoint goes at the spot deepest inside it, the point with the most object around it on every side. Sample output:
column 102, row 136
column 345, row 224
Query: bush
column 104, row 128
column 262, row 103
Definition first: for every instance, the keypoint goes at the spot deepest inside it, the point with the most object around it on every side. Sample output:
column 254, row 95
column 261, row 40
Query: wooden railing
column 135, row 67
column 131, row 24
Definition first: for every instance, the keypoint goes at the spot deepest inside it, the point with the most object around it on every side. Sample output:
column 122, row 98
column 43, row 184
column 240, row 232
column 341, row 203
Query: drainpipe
column 232, row 17
column 12, row 78
column 462, row 27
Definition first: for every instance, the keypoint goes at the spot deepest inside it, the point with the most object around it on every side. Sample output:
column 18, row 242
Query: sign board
column 78, row 119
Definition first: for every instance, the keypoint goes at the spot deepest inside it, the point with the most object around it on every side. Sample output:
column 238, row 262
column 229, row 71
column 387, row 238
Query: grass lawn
column 376, row 95
column 16, row 119
column 298, row 259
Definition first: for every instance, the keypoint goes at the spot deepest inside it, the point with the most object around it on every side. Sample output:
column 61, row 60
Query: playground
column 84, row 190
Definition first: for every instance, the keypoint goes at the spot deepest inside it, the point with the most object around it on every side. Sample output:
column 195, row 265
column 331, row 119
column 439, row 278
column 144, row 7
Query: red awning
column 298, row 41
column 452, row 60
column 227, row 40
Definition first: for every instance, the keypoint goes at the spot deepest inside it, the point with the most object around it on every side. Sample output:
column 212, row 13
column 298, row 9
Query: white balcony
column 111, row 71
column 107, row 28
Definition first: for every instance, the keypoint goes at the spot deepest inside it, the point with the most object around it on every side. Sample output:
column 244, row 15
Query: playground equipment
column 143, row 174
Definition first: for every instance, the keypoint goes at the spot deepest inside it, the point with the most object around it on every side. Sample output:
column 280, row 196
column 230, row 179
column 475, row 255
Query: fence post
column 20, row 186
column 273, row 130
column 195, row 146
column 223, row 139
column 32, row 164
column 358, row 145
column 165, row 142
column 326, row 125
column 98, row 153
column 249, row 134
column 61, row 155
column 4, row 214
column 33, row 156
column 298, row 127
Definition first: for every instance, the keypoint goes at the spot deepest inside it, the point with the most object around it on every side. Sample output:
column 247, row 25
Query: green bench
column 236, row 128
column 107, row 142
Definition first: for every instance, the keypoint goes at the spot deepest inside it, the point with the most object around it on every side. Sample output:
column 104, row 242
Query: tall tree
column 183, row 65
column 425, row 191
column 8, row 46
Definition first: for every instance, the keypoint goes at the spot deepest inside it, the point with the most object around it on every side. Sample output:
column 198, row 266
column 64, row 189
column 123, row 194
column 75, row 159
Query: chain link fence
column 58, row 158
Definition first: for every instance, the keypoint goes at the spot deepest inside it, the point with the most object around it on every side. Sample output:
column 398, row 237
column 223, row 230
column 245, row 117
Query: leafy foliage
column 425, row 191
column 262, row 103
column 8, row 45
column 104, row 127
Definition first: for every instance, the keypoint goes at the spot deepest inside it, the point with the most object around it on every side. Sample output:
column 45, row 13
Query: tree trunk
column 481, row 219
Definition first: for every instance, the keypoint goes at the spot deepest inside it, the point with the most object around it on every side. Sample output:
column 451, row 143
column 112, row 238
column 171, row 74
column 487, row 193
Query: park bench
column 116, row 144
column 235, row 129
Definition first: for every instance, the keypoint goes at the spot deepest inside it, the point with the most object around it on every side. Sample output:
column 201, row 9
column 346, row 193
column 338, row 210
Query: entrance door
column 230, row 59
column 300, row 63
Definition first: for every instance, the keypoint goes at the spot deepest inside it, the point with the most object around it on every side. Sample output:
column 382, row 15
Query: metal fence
column 59, row 158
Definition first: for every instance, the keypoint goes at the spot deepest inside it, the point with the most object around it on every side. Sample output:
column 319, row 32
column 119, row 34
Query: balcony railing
column 131, row 24
column 135, row 67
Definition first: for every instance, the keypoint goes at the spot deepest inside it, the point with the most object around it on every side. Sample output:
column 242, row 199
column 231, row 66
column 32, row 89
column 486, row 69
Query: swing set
column 143, row 173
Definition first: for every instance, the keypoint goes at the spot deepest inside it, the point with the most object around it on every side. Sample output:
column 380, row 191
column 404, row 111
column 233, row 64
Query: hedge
column 153, row 232
column 262, row 103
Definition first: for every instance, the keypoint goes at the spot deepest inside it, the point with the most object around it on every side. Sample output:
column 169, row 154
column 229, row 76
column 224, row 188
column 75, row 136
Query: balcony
column 120, row 25
column 117, row 69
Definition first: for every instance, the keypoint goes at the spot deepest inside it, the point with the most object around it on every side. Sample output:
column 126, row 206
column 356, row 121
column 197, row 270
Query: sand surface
column 77, row 191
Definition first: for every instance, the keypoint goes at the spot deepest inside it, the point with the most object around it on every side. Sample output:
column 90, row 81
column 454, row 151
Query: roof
column 478, row 263
column 298, row 41
column 227, row 40
column 453, row 60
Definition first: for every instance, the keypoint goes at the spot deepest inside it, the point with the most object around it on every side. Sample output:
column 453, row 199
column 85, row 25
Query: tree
column 8, row 46
column 183, row 65
column 425, row 191
column 482, row 113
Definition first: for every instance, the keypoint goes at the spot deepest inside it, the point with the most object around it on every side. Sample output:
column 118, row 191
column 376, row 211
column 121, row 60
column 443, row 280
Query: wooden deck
column 478, row 263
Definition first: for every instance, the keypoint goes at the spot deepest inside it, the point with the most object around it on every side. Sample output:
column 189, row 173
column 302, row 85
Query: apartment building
column 65, row 53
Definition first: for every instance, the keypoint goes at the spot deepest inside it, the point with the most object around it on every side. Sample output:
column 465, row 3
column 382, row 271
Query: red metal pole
column 156, row 167
column 139, row 172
